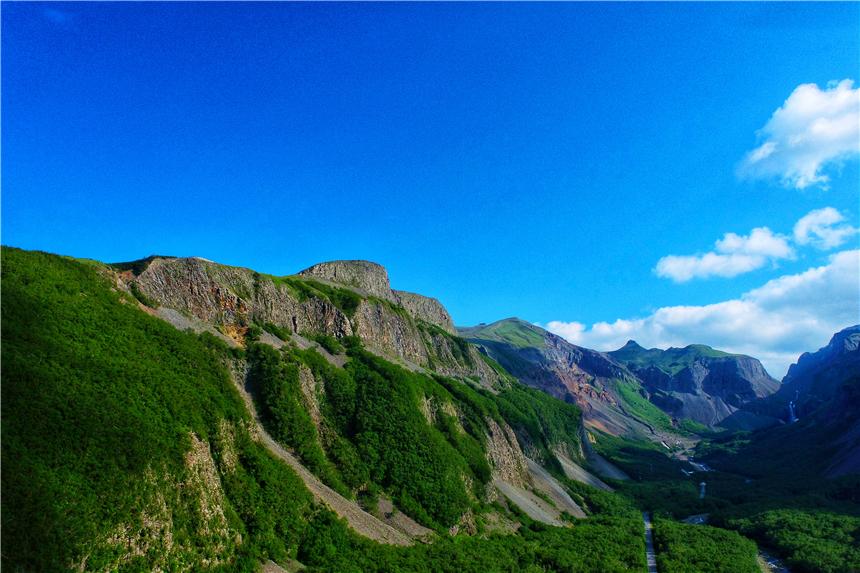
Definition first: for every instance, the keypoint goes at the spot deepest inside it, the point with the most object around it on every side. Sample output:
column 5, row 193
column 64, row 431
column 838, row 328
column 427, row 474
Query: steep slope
column 700, row 383
column 824, row 387
column 127, row 447
column 124, row 443
column 332, row 299
column 609, row 395
column 818, row 377
column 372, row 279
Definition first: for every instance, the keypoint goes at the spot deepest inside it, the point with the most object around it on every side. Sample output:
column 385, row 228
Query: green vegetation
column 599, row 502
column 598, row 546
column 693, row 427
column 802, row 449
column 138, row 294
column 683, row 548
column 277, row 384
column 813, row 542
column 102, row 405
column 810, row 522
column 374, row 431
column 459, row 346
column 640, row 407
column 344, row 299
column 111, row 418
column 99, row 404
column 670, row 361
column 138, row 266
column 330, row 343
column 513, row 331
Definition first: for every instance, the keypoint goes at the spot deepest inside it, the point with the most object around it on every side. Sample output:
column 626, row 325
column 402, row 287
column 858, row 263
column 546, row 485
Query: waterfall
column 792, row 413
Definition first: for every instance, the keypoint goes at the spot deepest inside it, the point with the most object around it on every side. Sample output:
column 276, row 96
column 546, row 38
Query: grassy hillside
column 125, row 447
column 513, row 331
column 671, row 360
column 103, row 408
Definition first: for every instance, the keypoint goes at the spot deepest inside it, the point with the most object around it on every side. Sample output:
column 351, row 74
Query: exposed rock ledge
column 372, row 279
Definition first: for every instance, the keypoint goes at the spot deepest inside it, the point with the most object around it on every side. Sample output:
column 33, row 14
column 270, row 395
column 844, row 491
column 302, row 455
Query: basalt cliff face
column 372, row 279
column 824, row 389
column 822, row 437
column 341, row 298
column 701, row 384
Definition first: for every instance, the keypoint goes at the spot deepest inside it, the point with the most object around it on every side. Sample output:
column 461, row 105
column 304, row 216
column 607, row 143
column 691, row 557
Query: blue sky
column 536, row 160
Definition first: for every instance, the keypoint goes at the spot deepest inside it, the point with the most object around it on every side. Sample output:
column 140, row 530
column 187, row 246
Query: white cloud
column 735, row 255
column 775, row 323
column 822, row 229
column 814, row 128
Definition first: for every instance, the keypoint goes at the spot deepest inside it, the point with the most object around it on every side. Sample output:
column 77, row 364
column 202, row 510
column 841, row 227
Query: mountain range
column 179, row 414
column 620, row 391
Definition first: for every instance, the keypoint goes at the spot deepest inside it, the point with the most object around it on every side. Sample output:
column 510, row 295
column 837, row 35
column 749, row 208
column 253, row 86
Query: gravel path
column 650, row 556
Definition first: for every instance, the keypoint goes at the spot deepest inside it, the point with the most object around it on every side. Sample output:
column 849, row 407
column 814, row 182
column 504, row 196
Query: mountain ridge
column 695, row 382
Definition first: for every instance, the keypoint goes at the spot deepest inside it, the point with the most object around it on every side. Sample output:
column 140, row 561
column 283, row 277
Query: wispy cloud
column 737, row 254
column 775, row 322
column 823, row 229
column 813, row 130
column 733, row 255
column 59, row 18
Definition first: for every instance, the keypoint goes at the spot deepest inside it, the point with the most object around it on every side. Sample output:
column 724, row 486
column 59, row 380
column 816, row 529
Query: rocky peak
column 817, row 375
column 843, row 342
column 372, row 278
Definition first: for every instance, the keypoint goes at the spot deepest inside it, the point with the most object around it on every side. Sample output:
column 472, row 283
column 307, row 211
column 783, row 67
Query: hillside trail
column 359, row 520
column 650, row 556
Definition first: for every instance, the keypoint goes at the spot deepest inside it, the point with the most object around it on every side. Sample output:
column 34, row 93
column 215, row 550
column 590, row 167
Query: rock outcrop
column 427, row 309
column 409, row 328
column 702, row 384
column 824, row 389
column 505, row 456
column 232, row 296
column 372, row 279
column 816, row 378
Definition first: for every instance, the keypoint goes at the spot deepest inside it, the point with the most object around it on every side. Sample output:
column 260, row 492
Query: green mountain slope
column 127, row 447
column 670, row 361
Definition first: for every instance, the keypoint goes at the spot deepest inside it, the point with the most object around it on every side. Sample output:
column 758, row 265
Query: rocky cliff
column 700, row 383
column 817, row 377
column 372, row 279
column 823, row 388
column 338, row 299
column 823, row 437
